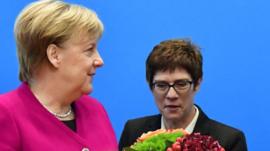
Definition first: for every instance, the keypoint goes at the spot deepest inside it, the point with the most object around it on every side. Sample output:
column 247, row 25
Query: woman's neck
column 52, row 97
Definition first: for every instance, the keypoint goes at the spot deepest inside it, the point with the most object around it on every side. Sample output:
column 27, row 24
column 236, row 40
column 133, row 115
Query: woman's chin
column 88, row 90
column 173, row 116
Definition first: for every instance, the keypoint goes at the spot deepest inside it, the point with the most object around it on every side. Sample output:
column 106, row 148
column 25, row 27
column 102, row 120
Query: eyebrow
column 177, row 80
column 90, row 46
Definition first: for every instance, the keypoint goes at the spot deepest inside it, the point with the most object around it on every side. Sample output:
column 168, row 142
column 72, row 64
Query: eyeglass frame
column 168, row 85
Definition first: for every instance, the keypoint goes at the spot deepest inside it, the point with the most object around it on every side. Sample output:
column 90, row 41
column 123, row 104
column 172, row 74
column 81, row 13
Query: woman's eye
column 161, row 85
column 181, row 84
column 89, row 51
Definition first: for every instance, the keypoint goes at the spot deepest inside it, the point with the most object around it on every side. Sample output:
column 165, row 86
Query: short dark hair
column 173, row 54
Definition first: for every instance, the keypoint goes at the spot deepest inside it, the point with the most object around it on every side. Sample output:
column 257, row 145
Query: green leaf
column 158, row 142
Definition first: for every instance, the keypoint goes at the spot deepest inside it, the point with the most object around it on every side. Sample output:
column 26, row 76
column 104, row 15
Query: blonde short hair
column 46, row 22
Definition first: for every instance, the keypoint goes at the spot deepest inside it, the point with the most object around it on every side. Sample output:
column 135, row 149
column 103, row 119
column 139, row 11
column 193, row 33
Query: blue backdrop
column 233, row 35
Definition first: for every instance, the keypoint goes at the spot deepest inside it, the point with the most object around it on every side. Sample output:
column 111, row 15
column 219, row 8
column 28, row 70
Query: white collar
column 190, row 126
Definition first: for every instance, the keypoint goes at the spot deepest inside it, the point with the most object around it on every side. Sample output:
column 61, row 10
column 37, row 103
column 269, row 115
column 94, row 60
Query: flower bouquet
column 174, row 140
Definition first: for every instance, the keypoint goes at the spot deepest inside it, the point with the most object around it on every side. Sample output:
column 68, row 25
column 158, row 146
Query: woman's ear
column 198, row 84
column 53, row 55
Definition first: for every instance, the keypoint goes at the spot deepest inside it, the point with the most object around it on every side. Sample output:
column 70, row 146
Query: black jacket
column 228, row 137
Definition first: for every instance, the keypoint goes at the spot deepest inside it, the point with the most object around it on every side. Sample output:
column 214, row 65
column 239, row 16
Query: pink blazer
column 25, row 125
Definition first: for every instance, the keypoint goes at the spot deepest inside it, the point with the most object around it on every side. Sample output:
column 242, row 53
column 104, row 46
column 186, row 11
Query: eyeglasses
column 180, row 86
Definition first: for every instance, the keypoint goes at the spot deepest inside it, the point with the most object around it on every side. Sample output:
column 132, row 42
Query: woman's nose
column 171, row 93
column 98, row 62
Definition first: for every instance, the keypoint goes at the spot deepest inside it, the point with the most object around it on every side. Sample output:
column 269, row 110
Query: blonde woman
column 58, row 57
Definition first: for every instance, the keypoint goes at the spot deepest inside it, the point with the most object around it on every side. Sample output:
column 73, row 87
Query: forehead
column 171, row 76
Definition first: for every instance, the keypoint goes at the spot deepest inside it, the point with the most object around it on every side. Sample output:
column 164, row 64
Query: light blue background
column 233, row 35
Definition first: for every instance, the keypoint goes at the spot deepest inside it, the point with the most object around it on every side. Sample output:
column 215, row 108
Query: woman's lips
column 91, row 74
column 172, row 107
